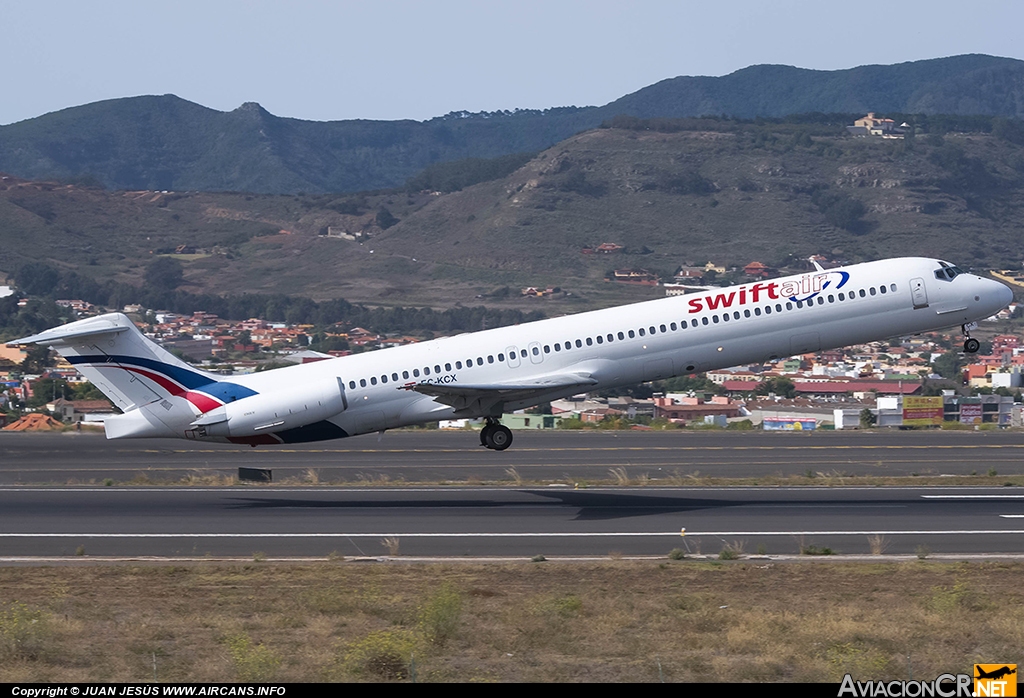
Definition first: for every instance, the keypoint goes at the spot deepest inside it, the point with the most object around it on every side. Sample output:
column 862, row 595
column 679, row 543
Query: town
column 920, row 381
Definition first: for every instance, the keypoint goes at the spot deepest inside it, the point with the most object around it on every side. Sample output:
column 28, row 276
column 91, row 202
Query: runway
column 493, row 522
column 570, row 457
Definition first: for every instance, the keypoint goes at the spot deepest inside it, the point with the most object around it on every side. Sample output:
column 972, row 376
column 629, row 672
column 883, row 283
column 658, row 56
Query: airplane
column 485, row 374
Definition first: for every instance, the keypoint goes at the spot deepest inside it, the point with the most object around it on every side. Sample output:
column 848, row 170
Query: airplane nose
column 1004, row 295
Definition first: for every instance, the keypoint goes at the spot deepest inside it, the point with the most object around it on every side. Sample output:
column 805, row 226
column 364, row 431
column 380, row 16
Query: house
column 871, row 125
column 758, row 270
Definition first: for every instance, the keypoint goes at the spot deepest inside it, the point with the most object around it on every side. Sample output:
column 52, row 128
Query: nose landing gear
column 971, row 345
column 495, row 436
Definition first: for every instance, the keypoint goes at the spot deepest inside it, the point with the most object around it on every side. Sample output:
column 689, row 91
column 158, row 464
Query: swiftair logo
column 995, row 680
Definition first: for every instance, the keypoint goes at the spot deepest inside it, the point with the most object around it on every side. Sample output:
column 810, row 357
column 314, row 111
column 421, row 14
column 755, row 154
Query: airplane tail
column 137, row 375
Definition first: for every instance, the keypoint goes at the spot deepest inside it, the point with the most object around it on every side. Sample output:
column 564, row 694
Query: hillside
column 693, row 191
column 167, row 143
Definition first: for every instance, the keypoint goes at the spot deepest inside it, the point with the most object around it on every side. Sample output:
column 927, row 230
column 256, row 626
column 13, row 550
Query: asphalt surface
column 551, row 521
column 432, row 456
column 53, row 501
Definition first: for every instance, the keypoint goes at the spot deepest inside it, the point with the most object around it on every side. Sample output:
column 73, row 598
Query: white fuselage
column 753, row 322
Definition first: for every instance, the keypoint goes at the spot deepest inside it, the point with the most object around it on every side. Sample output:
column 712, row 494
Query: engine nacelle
column 267, row 413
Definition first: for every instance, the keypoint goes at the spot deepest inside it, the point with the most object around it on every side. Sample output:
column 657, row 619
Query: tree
column 867, row 418
column 948, row 365
column 164, row 274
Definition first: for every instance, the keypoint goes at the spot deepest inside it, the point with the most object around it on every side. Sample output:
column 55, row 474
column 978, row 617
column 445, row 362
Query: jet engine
column 271, row 412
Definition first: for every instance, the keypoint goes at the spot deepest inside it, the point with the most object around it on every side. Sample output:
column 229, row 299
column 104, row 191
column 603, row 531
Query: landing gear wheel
column 499, row 438
column 971, row 345
column 485, row 434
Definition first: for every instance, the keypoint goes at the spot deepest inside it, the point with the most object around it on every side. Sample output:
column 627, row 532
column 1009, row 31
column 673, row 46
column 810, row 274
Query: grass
column 602, row 621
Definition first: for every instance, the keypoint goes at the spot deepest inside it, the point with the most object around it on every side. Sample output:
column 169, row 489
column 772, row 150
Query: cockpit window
column 947, row 272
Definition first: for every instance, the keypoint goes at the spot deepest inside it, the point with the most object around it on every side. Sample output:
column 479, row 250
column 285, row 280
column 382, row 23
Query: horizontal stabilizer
column 107, row 324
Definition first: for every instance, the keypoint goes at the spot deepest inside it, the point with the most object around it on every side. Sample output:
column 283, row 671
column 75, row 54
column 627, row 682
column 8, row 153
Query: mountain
column 167, row 143
column 672, row 192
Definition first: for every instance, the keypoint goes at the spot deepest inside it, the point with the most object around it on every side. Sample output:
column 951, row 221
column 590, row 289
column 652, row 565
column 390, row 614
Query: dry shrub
column 385, row 654
column 253, row 663
column 439, row 616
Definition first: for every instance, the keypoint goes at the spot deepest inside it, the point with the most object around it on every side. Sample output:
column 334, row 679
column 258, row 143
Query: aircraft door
column 513, row 357
column 536, row 355
column 919, row 293
column 344, row 397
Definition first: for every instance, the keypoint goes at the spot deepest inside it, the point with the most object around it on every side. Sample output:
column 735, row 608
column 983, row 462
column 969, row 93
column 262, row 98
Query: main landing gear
column 971, row 345
column 495, row 436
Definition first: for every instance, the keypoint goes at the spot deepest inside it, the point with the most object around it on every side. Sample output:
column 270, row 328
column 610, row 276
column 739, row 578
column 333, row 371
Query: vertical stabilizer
column 126, row 366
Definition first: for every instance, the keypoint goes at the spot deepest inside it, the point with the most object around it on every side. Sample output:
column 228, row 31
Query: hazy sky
column 416, row 60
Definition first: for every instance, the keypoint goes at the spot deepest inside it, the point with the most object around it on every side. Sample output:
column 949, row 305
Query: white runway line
column 616, row 534
column 972, row 496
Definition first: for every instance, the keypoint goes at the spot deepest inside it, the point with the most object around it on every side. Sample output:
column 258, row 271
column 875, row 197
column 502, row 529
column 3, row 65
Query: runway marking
column 605, row 534
column 1012, row 516
column 972, row 496
column 580, row 448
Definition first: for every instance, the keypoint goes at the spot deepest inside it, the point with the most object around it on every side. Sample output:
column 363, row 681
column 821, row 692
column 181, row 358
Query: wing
column 484, row 398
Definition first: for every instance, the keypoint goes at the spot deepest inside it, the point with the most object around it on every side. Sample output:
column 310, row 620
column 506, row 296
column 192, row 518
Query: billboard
column 970, row 413
column 789, row 423
column 922, row 411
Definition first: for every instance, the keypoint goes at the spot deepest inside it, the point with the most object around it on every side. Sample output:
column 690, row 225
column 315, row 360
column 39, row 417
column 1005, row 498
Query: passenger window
column 394, row 376
column 458, row 365
column 501, row 357
column 736, row 315
column 842, row 296
column 871, row 290
column 558, row 347
column 523, row 353
column 632, row 334
column 746, row 313
column 757, row 311
column 821, row 301
column 536, row 351
column 600, row 339
column 621, row 336
column 373, row 380
column 426, row 370
column 384, row 378
column 882, row 289
column 447, row 367
column 479, row 361
column 693, row 322
column 653, row 330
column 578, row 344
column 641, row 331
column 767, row 310
column 892, row 287
column 352, row 385
column 664, row 330
column 490, row 358
column 547, row 348
column 673, row 326
column 437, row 369
column 778, row 307
column 590, row 342
column 362, row 382
column 714, row 319
column 611, row 337
column 789, row 306
column 725, row 317
column 416, row 373
column 831, row 299
column 704, row 320
column 862, row 294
